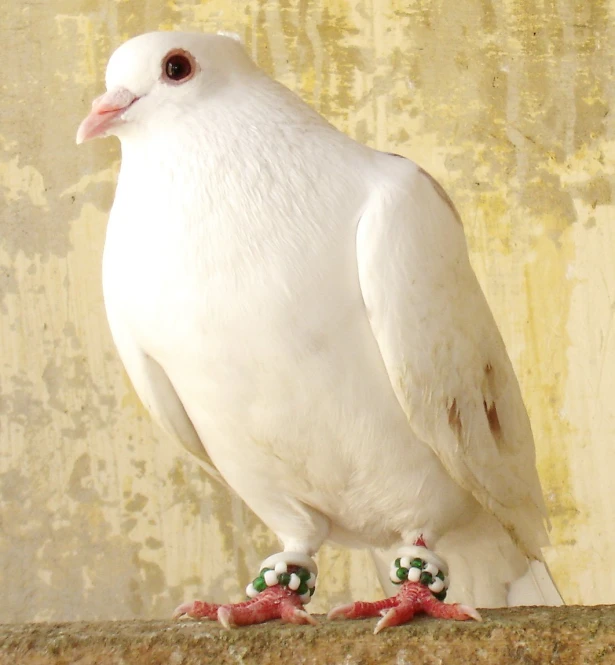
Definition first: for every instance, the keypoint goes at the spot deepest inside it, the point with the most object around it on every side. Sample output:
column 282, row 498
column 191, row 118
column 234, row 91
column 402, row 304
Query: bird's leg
column 285, row 584
column 422, row 576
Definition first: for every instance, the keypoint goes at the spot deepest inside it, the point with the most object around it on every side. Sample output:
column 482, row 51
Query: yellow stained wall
column 506, row 102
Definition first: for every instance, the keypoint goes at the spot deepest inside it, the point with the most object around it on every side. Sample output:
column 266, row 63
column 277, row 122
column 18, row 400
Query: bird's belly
column 313, row 418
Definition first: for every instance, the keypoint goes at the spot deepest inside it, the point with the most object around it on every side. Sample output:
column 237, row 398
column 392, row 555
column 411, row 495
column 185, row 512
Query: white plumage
column 299, row 310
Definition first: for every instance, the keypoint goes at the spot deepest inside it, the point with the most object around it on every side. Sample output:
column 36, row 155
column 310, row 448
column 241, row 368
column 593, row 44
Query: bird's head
column 161, row 74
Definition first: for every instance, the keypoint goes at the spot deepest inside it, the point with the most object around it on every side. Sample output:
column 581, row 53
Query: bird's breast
column 232, row 284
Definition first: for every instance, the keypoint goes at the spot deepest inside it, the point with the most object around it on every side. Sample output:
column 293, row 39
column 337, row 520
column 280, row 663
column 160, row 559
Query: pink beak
column 106, row 112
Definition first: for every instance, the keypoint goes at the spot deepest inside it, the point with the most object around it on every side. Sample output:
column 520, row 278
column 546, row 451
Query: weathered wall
column 506, row 102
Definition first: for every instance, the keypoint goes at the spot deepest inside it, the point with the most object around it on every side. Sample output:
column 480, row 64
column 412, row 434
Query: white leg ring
column 292, row 559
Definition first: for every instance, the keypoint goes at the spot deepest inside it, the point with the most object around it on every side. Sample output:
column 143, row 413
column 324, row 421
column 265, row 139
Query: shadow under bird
column 300, row 312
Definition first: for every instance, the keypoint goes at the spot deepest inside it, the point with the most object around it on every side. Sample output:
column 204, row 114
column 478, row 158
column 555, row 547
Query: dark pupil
column 178, row 67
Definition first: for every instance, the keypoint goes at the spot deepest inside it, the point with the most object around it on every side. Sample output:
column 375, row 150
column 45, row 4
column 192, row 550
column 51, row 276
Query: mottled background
column 506, row 102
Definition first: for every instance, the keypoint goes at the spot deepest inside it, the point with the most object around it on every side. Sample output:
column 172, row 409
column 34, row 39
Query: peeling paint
column 506, row 104
column 18, row 181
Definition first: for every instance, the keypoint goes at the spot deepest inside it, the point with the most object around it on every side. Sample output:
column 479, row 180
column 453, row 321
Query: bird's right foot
column 285, row 584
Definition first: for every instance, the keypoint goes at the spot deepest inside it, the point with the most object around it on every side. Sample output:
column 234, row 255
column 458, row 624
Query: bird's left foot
column 413, row 598
column 279, row 592
column 423, row 580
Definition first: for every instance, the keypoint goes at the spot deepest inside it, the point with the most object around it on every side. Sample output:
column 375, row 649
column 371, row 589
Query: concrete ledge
column 556, row 636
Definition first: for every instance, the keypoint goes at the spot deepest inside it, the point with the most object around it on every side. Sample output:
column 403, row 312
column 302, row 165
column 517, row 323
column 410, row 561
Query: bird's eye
column 178, row 67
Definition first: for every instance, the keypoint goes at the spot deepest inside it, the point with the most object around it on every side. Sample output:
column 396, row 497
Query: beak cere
column 106, row 113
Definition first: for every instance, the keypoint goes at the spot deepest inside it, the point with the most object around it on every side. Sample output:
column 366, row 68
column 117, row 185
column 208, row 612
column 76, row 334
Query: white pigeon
column 300, row 311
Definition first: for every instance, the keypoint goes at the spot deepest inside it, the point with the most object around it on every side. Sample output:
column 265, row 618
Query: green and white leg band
column 274, row 570
column 418, row 564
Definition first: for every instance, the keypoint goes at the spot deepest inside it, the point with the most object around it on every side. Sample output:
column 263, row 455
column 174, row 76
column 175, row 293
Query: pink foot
column 276, row 602
column 412, row 598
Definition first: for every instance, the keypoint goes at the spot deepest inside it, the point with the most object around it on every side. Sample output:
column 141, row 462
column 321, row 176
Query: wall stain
column 507, row 104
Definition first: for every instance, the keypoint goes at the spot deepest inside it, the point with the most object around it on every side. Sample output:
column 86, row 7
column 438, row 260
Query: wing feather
column 442, row 349
column 158, row 394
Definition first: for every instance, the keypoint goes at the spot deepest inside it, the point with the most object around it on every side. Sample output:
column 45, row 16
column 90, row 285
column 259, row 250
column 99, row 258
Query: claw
column 225, row 617
column 297, row 616
column 341, row 612
column 197, row 609
column 469, row 612
column 181, row 610
column 394, row 617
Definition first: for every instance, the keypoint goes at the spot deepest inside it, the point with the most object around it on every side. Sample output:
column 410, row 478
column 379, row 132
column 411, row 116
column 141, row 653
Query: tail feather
column 536, row 587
